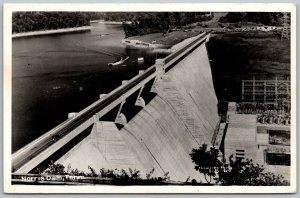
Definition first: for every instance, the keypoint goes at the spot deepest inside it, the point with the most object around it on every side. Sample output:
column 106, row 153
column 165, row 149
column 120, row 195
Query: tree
column 55, row 169
column 206, row 161
column 92, row 172
column 266, row 18
column 35, row 21
column 270, row 179
column 237, row 172
column 240, row 172
column 154, row 22
column 245, row 172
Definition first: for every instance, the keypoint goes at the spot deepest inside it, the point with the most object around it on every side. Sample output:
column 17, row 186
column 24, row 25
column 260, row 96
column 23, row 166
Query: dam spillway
column 182, row 115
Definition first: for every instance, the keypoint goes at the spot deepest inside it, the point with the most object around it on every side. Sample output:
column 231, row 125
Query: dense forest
column 151, row 22
column 36, row 21
column 265, row 18
column 142, row 22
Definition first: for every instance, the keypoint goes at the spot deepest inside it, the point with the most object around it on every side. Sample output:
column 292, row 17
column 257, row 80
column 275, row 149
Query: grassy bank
column 167, row 40
column 236, row 56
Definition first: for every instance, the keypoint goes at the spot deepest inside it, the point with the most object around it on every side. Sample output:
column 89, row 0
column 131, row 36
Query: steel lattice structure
column 274, row 94
column 286, row 27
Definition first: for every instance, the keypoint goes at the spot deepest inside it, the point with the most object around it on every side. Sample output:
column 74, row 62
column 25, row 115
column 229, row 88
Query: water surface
column 57, row 74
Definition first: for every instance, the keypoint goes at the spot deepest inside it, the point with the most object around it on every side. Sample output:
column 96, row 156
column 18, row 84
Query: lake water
column 57, row 74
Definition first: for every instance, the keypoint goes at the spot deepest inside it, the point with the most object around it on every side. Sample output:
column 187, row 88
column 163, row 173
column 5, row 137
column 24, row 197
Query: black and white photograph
column 149, row 98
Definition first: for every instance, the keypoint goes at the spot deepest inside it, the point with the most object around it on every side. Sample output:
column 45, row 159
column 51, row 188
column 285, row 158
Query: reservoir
column 54, row 75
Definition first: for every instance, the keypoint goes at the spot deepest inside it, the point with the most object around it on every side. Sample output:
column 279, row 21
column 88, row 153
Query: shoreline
column 136, row 43
column 159, row 42
column 147, row 42
column 110, row 22
column 49, row 32
column 156, row 48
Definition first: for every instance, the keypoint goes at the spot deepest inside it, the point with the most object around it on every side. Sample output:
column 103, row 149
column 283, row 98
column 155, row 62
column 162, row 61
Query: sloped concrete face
column 188, row 88
column 182, row 116
column 103, row 148
column 162, row 140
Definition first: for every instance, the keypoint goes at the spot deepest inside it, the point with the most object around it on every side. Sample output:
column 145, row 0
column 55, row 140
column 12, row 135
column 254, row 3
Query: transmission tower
column 286, row 27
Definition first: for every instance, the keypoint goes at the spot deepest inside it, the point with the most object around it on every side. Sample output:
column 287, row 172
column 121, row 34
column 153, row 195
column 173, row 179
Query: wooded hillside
column 37, row 21
column 153, row 22
column 265, row 18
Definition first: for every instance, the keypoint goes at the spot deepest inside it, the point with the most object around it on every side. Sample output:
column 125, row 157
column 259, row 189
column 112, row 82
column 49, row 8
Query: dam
column 181, row 115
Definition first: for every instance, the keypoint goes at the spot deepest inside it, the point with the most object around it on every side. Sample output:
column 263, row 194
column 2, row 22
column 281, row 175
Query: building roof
column 241, row 127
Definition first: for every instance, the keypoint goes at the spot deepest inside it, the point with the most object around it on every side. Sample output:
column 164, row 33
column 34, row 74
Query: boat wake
column 83, row 47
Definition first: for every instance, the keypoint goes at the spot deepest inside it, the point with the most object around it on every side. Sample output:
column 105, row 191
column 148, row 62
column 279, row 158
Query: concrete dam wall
column 182, row 116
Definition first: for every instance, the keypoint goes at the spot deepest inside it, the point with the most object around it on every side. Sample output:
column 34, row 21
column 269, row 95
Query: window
column 278, row 159
column 279, row 137
column 239, row 154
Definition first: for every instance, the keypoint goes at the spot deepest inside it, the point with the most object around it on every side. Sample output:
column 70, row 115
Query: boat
column 121, row 61
column 140, row 59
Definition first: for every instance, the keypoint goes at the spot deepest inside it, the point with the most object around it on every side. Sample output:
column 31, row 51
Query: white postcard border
column 215, row 7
